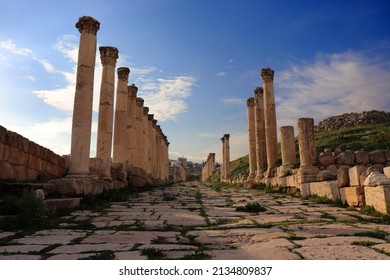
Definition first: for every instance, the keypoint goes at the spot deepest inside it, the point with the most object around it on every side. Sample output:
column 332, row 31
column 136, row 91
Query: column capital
column 140, row 102
column 226, row 136
column 258, row 91
column 150, row 117
column 146, row 111
column 123, row 73
column 88, row 25
column 250, row 102
column 108, row 55
column 132, row 90
column 267, row 74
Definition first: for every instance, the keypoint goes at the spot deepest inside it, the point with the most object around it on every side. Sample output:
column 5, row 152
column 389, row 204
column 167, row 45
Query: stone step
column 53, row 205
column 17, row 188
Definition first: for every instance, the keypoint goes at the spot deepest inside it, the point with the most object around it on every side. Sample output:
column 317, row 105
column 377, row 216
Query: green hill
column 367, row 137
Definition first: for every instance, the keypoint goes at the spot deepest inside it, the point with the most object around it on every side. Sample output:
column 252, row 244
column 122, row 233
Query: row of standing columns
column 208, row 167
column 136, row 140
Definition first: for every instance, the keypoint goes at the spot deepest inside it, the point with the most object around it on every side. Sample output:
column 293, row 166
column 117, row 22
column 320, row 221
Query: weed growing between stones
column 375, row 234
column 364, row 243
column 251, row 207
column 102, row 255
column 153, row 253
column 326, row 215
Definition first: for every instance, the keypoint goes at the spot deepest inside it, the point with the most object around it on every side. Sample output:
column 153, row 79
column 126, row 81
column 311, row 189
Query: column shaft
column 108, row 56
column 82, row 110
column 251, row 137
column 287, row 143
column 131, row 139
column 261, row 151
column 306, row 141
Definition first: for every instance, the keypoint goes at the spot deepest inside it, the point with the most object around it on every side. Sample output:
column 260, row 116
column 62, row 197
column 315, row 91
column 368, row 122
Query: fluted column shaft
column 251, row 137
column 108, row 56
column 82, row 108
column 131, row 125
column 119, row 153
column 306, row 142
column 270, row 119
column 261, row 150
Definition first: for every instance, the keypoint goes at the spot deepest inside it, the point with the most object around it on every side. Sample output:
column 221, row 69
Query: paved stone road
column 193, row 221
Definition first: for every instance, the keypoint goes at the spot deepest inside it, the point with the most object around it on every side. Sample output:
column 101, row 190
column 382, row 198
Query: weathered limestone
column 131, row 126
column 354, row 175
column 225, row 156
column 82, row 110
column 353, row 196
column 108, row 56
column 307, row 151
column 140, row 134
column 261, row 151
column 270, row 119
column 287, row 143
column 119, row 153
column 208, row 167
column 378, row 197
column 251, row 137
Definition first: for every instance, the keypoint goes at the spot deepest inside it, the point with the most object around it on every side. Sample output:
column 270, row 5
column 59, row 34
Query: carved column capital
column 139, row 102
column 123, row 73
column 108, row 55
column 226, row 136
column 267, row 74
column 150, row 117
column 132, row 90
column 250, row 102
column 88, row 25
column 258, row 91
column 146, row 111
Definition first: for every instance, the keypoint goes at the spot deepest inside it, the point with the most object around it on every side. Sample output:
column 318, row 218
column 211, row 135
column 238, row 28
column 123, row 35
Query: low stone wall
column 24, row 160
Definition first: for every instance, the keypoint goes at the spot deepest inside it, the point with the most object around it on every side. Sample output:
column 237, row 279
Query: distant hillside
column 353, row 120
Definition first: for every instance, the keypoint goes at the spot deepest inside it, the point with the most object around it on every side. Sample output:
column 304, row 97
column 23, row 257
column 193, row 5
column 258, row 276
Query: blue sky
column 195, row 63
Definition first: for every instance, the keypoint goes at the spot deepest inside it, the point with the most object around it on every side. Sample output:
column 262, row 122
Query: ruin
column 208, row 167
column 251, row 137
column 261, row 150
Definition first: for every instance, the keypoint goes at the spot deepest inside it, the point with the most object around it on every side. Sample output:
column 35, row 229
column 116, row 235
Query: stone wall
column 24, row 160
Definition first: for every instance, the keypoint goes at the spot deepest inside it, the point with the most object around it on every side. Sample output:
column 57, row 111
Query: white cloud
column 234, row 101
column 28, row 77
column 220, row 74
column 333, row 84
column 10, row 46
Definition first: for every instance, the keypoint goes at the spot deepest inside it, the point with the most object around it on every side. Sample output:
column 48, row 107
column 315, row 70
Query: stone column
column 154, row 149
column 146, row 136
column 108, row 56
column 139, row 133
column 227, row 156
column 212, row 164
column 287, row 143
column 270, row 119
column 251, row 137
column 119, row 153
column 307, row 151
column 261, row 151
column 150, row 148
column 82, row 108
column 222, row 168
column 131, row 124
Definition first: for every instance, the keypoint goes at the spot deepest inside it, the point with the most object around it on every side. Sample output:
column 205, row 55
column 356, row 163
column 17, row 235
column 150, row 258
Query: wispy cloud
column 220, row 74
column 332, row 84
column 233, row 101
column 28, row 77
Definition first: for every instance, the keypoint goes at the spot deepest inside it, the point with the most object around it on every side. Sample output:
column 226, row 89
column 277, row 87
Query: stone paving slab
column 191, row 220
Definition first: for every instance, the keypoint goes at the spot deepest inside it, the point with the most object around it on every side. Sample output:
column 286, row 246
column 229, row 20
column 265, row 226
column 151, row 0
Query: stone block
column 379, row 198
column 3, row 135
column 291, row 181
column 4, row 152
column 353, row 196
column 332, row 168
column 387, row 156
column 376, row 179
column 32, row 161
column 75, row 187
column 328, row 189
column 53, row 205
column 368, row 171
column 6, row 171
column 307, row 174
column 326, row 175
column 20, row 173
column 386, row 171
column 354, row 175
column 343, row 177
column 346, row 158
column 33, row 147
column 305, row 189
column 16, row 156
column 361, row 157
column 326, row 159
column 26, row 145
column 377, row 157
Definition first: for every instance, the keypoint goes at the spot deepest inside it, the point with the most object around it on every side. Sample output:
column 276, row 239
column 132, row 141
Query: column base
column 307, row 174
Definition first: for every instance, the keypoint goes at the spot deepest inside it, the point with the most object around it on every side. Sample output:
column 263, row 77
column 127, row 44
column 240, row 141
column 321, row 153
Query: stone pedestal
column 270, row 119
column 108, row 56
column 261, row 151
column 119, row 153
column 251, row 137
column 82, row 110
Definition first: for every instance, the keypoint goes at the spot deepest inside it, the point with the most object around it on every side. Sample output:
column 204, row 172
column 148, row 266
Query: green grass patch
column 153, row 253
column 251, row 207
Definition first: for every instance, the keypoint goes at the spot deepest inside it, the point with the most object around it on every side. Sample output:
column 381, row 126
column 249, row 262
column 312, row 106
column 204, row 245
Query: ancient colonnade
column 208, row 167
column 134, row 138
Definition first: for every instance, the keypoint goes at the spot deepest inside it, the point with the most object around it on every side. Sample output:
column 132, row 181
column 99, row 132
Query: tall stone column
column 270, row 119
column 154, row 149
column 119, row 153
column 139, row 133
column 146, row 136
column 261, row 151
column 222, row 168
column 251, row 137
column 131, row 124
column 287, row 143
column 108, row 56
column 82, row 108
column 307, row 151
column 227, row 156
column 150, row 148
column 212, row 164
